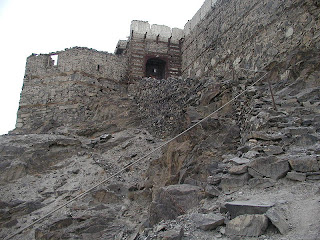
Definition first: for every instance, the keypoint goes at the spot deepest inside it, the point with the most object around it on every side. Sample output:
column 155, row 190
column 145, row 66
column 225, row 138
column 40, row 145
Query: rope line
column 135, row 162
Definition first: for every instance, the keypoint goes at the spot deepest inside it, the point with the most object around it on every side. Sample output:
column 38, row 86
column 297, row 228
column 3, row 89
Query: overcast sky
column 43, row 26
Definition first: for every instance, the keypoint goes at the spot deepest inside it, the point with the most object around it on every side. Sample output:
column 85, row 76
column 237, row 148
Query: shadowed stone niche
column 156, row 68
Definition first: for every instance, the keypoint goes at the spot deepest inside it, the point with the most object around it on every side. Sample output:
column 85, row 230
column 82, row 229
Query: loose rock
column 238, row 208
column 247, row 225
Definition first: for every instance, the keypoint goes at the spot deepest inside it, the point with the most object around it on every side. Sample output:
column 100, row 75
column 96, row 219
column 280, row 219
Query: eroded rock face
column 174, row 200
column 33, row 154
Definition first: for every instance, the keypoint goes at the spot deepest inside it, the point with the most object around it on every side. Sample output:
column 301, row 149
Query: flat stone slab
column 247, row 225
column 207, row 222
column 238, row 208
column 239, row 161
column 296, row 176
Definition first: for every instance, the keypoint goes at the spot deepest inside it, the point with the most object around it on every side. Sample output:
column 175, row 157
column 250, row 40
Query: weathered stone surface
column 304, row 164
column 214, row 180
column 297, row 176
column 34, row 153
column 207, row 222
column 174, row 234
column 232, row 183
column 266, row 137
column 299, row 130
column 237, row 208
column 239, row 161
column 313, row 175
column 212, row 191
column 236, row 170
column 251, row 154
column 172, row 201
column 247, row 225
column 268, row 167
column 261, row 182
column 106, row 197
column 307, row 140
column 273, row 150
column 277, row 217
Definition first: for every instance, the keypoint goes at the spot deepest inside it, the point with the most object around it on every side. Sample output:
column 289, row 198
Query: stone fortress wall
column 222, row 35
column 249, row 34
column 79, row 59
column 72, row 89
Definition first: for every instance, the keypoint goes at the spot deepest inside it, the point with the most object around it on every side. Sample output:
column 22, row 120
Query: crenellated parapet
column 142, row 29
column 154, row 51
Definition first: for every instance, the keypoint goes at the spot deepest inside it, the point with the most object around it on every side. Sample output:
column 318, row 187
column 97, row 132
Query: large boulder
column 270, row 167
column 174, row 200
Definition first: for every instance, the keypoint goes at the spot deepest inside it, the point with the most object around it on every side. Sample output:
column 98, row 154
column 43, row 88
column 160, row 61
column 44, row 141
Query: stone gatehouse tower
column 152, row 51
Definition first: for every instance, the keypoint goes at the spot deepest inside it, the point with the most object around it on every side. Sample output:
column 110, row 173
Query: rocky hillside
column 250, row 171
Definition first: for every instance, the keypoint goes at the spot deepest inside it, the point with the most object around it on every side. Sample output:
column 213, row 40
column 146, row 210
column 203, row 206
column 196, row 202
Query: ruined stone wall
column 81, row 92
column 248, row 34
column 79, row 59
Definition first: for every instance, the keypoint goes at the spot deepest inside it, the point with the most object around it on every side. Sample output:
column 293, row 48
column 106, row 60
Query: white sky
column 43, row 26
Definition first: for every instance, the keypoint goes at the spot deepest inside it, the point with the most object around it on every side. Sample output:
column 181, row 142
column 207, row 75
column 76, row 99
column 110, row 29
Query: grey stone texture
column 232, row 183
column 208, row 222
column 23, row 155
column 247, row 225
column 304, row 164
column 237, row 208
column 296, row 176
column 174, row 234
column 249, row 34
column 174, row 200
column 278, row 219
column 268, row 167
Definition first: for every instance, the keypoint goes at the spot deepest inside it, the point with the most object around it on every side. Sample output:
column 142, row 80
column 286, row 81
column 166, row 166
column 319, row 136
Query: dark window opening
column 98, row 68
column 119, row 51
column 156, row 68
